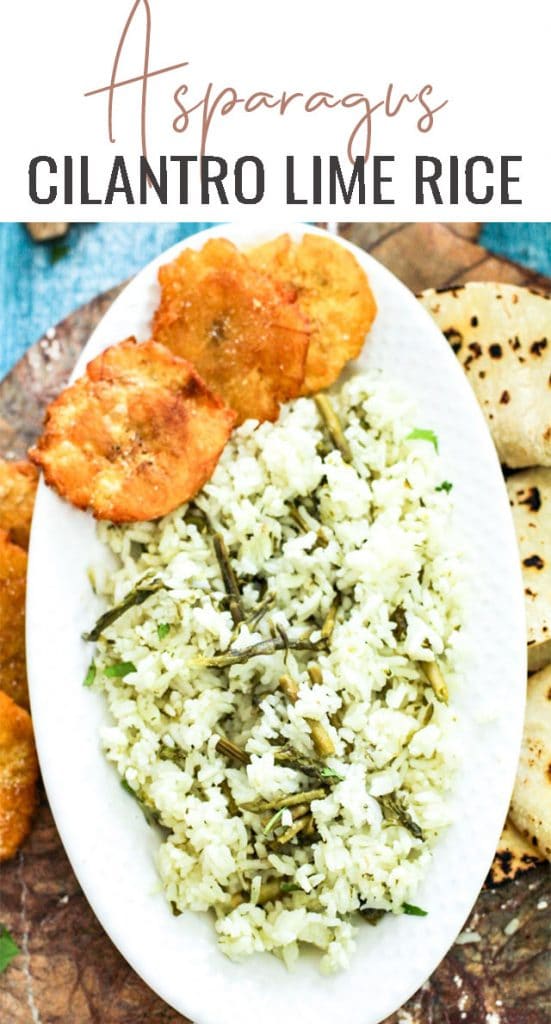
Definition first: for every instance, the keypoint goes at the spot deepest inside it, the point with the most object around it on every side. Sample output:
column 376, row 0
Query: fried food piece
column 334, row 293
column 18, row 775
column 18, row 482
column 136, row 436
column 244, row 332
column 13, row 571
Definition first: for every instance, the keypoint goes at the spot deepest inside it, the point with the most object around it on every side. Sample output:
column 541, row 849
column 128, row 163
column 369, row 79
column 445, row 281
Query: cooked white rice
column 388, row 553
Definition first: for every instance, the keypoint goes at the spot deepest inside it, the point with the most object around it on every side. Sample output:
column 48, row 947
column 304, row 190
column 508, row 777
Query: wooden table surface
column 69, row 972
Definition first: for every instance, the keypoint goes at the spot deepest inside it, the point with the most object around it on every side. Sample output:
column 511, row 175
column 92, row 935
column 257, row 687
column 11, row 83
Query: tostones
column 18, row 482
column 333, row 292
column 136, row 436
column 18, row 776
column 13, row 571
column 244, row 332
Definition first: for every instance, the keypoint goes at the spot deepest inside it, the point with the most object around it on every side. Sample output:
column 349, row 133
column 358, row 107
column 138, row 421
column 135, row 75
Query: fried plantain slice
column 18, row 775
column 18, row 482
column 334, row 293
column 136, row 436
column 13, row 571
column 244, row 332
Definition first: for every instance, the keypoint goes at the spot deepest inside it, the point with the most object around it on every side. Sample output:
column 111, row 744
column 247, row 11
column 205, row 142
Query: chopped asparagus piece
column 333, row 425
column 134, row 598
column 229, row 578
column 292, row 831
column 261, row 649
column 322, row 741
column 436, row 680
column 395, row 813
column 225, row 746
column 289, row 800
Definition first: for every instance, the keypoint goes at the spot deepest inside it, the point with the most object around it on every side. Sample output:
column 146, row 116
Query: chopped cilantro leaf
column 119, row 670
column 423, row 435
column 329, row 773
column 8, row 948
column 148, row 814
column 273, row 821
column 444, row 486
column 90, row 675
column 162, row 629
column 410, row 908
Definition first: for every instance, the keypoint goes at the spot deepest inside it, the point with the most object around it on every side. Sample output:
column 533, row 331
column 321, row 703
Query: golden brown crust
column 135, row 437
column 244, row 332
column 18, row 776
column 13, row 571
column 18, row 482
column 334, row 293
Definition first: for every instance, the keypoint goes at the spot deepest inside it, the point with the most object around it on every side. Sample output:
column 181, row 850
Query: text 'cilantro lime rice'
column 279, row 659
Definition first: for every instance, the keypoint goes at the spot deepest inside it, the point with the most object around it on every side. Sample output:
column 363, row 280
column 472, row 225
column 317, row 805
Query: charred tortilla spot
column 533, row 562
column 474, row 321
column 532, row 499
column 537, row 347
column 495, row 351
column 455, row 339
column 505, row 398
column 475, row 353
column 509, row 866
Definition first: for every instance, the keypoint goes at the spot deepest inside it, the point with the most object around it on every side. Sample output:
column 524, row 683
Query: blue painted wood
column 529, row 244
column 39, row 285
column 36, row 290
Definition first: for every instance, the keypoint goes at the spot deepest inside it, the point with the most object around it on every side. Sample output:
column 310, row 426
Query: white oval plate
column 107, row 840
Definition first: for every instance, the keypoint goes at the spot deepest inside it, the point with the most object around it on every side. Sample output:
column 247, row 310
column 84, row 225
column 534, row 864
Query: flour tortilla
column 502, row 336
column 530, row 498
column 514, row 856
column 531, row 803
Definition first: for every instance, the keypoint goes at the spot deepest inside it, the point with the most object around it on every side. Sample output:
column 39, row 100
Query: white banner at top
column 172, row 110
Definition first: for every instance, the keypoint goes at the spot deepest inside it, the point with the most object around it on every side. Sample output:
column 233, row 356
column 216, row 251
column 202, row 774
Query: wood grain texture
column 69, row 972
